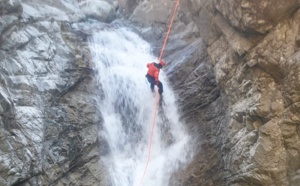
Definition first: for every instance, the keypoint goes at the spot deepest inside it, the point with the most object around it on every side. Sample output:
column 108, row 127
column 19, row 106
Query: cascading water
column 128, row 110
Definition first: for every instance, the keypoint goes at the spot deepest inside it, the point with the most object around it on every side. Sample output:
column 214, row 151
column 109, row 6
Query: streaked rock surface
column 48, row 100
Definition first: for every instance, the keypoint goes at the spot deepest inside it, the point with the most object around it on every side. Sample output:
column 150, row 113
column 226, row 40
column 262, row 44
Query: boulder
column 100, row 10
column 150, row 12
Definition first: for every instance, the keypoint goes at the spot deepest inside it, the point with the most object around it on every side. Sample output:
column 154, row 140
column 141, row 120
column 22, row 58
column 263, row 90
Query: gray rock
column 259, row 16
column 49, row 115
column 100, row 10
column 149, row 12
column 10, row 6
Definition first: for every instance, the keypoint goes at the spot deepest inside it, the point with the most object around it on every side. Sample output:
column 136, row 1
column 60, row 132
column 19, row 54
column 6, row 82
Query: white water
column 128, row 110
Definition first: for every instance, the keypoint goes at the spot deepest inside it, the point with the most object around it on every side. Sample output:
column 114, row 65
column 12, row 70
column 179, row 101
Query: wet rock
column 151, row 12
column 51, row 10
column 101, row 10
column 49, row 116
column 10, row 6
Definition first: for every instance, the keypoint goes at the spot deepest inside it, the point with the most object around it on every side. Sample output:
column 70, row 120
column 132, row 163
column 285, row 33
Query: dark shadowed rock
column 10, row 7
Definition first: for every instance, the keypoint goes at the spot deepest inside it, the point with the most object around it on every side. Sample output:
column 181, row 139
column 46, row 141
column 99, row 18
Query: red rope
column 169, row 30
column 151, row 137
column 156, row 97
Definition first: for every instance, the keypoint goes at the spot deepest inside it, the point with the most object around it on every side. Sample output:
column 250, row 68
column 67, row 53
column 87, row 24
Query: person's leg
column 152, row 86
column 151, row 80
column 160, row 88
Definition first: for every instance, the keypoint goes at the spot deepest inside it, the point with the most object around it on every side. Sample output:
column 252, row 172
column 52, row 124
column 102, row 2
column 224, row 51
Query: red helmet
column 162, row 62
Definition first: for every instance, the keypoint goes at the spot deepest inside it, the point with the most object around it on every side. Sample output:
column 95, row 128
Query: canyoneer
column 153, row 74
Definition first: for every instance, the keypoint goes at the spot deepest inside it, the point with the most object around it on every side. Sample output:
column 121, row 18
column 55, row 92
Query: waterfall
column 127, row 108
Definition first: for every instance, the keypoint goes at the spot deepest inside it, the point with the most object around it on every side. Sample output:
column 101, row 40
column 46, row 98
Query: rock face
column 255, row 74
column 256, row 140
column 48, row 102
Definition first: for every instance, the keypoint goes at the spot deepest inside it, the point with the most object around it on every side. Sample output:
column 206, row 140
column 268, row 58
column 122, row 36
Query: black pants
column 152, row 82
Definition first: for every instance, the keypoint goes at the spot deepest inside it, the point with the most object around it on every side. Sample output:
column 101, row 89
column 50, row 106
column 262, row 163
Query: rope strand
column 169, row 30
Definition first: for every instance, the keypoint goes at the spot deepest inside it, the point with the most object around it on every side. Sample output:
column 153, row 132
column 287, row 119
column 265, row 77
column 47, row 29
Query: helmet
column 162, row 62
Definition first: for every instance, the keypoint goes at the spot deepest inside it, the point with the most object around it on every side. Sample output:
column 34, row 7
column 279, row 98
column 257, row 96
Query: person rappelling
column 153, row 75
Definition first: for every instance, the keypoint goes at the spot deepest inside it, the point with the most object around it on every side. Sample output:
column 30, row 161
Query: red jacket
column 153, row 70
